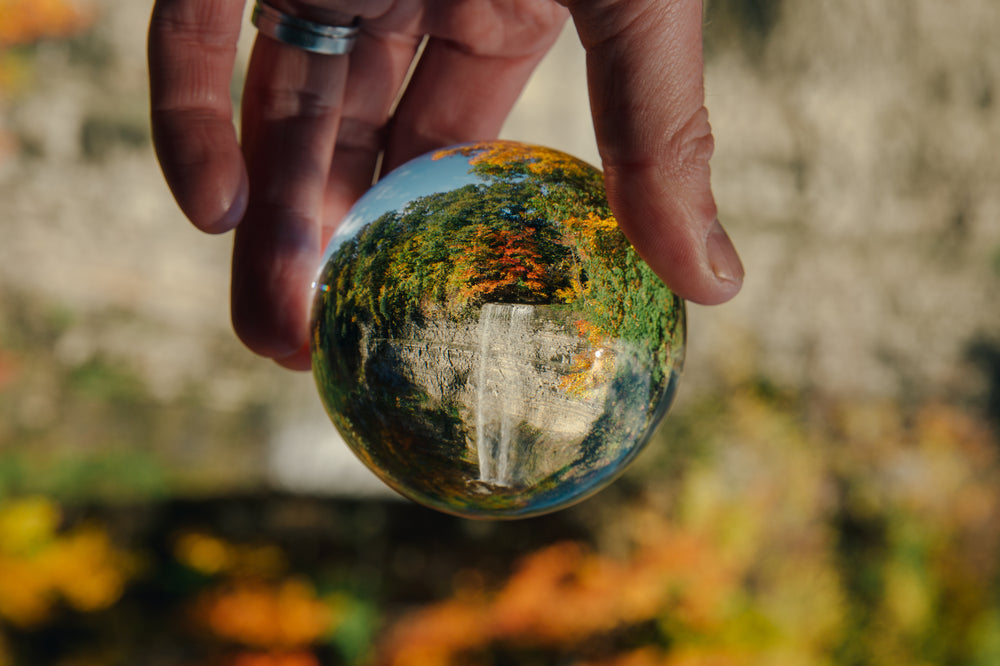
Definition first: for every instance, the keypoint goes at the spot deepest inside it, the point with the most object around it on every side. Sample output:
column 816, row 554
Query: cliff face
column 510, row 376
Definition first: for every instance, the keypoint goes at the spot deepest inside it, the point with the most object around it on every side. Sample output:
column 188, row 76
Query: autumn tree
column 502, row 265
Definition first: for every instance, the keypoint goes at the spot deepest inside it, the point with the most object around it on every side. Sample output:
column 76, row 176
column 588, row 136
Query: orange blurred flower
column 565, row 594
column 23, row 21
column 286, row 614
column 435, row 635
column 653, row 656
column 274, row 659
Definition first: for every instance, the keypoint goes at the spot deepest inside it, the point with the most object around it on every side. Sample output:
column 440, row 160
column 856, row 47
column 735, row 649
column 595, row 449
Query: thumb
column 647, row 96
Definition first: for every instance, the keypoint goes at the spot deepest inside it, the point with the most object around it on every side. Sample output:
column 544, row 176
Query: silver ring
column 303, row 34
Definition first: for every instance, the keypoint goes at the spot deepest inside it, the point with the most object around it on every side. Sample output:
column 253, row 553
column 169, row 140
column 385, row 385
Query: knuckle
column 360, row 135
column 198, row 23
column 691, row 146
column 600, row 24
column 280, row 103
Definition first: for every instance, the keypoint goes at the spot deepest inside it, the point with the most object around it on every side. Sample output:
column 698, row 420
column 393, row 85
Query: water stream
column 502, row 388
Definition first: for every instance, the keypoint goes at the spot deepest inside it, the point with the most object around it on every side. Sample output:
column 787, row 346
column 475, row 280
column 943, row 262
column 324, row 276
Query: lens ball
column 485, row 338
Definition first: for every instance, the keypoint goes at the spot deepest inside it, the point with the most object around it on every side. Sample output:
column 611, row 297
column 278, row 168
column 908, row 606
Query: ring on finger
column 303, row 34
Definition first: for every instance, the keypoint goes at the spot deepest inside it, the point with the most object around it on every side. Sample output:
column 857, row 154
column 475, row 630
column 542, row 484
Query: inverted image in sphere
column 485, row 338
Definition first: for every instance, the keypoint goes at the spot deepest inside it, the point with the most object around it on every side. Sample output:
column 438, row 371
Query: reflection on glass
column 484, row 336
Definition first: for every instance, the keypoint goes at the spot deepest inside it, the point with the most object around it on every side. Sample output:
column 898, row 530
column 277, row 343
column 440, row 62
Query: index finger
column 192, row 48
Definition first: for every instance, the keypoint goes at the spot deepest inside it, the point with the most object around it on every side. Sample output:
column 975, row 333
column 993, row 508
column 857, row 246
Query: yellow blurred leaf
column 27, row 525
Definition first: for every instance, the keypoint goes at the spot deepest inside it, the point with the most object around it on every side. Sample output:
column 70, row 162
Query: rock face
column 507, row 374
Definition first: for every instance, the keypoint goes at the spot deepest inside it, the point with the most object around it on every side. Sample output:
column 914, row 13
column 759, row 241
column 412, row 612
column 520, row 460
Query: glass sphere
column 485, row 338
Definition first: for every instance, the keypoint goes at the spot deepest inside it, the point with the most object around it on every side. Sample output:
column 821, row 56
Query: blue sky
column 416, row 178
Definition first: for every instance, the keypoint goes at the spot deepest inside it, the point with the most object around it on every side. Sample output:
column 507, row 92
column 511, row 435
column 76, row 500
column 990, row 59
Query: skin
column 313, row 127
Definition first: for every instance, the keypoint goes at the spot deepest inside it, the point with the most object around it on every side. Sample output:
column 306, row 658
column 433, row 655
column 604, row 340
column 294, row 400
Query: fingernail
column 237, row 207
column 722, row 255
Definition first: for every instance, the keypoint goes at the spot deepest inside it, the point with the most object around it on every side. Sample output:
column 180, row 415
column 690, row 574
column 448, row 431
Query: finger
column 379, row 65
column 462, row 91
column 291, row 112
column 192, row 47
column 645, row 72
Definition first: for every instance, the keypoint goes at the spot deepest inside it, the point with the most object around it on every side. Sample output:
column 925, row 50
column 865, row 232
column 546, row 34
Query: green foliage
column 536, row 230
column 404, row 262
column 355, row 631
column 995, row 261
column 99, row 475
column 104, row 381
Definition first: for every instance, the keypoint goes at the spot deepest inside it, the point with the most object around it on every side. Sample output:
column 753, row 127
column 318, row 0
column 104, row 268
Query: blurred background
column 825, row 491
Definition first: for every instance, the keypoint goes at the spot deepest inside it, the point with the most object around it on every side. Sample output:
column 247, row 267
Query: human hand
column 314, row 126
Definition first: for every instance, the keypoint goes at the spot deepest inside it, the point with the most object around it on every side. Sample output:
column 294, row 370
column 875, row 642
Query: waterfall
column 502, row 388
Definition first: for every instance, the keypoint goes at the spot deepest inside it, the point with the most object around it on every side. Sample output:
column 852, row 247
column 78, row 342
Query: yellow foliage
column 86, row 569
column 15, row 73
column 26, row 595
column 591, row 371
column 211, row 555
column 592, row 224
column 27, row 525
column 539, row 160
column 39, row 565
column 203, row 553
column 572, row 293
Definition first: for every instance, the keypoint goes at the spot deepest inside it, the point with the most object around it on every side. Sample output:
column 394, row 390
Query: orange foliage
column 501, row 261
column 254, row 603
column 23, row 21
column 283, row 615
column 652, row 656
column 566, row 593
column 26, row 21
column 274, row 659
column 434, row 636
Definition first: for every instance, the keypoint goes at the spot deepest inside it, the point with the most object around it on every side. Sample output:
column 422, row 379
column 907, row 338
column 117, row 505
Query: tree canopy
column 535, row 229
